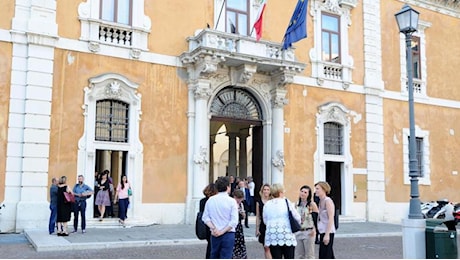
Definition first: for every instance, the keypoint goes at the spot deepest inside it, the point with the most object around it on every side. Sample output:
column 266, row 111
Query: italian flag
column 258, row 22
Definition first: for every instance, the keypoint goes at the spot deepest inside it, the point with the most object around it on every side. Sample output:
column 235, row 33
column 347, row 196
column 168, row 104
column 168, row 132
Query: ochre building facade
column 173, row 94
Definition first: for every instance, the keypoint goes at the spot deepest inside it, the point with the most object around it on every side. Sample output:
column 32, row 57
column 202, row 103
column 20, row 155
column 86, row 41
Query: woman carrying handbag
column 279, row 236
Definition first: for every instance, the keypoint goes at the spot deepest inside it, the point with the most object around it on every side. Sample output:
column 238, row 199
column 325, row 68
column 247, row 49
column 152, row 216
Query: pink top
column 123, row 193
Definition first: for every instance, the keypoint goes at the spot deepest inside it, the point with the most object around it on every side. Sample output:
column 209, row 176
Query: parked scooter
column 427, row 206
column 439, row 211
column 457, row 213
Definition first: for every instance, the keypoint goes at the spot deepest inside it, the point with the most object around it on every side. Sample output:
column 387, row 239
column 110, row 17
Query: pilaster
column 374, row 86
column 34, row 35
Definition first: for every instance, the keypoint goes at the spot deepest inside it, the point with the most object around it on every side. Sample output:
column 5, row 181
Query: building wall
column 443, row 146
column 7, row 14
column 162, row 128
column 5, row 81
column 162, row 81
column 301, row 138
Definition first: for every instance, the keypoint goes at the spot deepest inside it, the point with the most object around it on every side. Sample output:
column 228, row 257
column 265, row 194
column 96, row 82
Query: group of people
column 61, row 209
column 223, row 212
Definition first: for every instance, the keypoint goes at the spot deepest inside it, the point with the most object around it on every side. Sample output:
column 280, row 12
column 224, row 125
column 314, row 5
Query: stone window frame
column 420, row 85
column 328, row 72
column 104, row 34
column 425, row 179
column 335, row 113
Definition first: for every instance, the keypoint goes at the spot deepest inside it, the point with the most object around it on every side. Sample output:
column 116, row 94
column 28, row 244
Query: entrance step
column 350, row 219
column 113, row 223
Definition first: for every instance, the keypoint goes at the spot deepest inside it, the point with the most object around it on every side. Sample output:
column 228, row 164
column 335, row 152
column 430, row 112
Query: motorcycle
column 439, row 211
column 427, row 206
column 456, row 213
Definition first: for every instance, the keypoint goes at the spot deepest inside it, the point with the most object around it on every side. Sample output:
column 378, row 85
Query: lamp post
column 407, row 19
column 413, row 227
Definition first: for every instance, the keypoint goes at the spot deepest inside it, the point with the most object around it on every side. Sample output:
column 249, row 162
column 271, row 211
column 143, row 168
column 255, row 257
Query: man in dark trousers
column 82, row 192
column 247, row 200
column 221, row 216
column 53, row 205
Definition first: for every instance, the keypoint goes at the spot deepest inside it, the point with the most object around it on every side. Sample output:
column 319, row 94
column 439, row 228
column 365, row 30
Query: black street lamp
column 407, row 19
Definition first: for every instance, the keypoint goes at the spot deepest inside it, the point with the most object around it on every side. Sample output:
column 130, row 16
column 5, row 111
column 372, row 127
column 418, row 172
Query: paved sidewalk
column 96, row 238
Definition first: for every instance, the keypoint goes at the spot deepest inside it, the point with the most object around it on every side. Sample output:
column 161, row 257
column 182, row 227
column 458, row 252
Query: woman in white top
column 278, row 235
column 326, row 225
column 306, row 236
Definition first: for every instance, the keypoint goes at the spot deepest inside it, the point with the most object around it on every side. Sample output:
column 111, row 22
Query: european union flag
column 297, row 28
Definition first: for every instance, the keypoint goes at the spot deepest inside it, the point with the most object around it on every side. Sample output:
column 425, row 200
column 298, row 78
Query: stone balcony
column 232, row 50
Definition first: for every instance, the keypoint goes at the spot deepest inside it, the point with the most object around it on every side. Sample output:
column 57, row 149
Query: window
column 333, row 138
column 419, row 155
column 115, row 23
column 415, row 46
column 117, row 11
column 330, row 39
column 419, row 68
column 422, row 154
column 330, row 56
column 112, row 121
column 237, row 12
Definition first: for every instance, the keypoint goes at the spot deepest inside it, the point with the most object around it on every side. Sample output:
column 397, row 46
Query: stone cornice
column 448, row 7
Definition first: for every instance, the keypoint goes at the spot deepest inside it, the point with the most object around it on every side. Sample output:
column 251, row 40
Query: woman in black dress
column 260, row 225
column 239, row 249
column 64, row 208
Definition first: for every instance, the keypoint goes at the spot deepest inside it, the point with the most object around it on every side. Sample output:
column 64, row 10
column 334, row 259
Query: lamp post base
column 413, row 233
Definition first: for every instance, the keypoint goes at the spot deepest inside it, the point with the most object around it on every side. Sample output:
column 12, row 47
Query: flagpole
column 220, row 13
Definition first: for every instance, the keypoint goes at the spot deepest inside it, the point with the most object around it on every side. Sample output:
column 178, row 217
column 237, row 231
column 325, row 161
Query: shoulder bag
column 69, row 197
column 200, row 226
column 295, row 226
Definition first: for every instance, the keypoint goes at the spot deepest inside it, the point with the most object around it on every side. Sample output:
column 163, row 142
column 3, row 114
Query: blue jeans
column 80, row 206
column 53, row 216
column 222, row 247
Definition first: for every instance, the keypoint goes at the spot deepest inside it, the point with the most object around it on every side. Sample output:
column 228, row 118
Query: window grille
column 419, row 144
column 112, row 121
column 333, row 138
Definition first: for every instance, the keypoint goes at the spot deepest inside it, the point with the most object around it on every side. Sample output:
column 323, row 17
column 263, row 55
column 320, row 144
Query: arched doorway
column 236, row 136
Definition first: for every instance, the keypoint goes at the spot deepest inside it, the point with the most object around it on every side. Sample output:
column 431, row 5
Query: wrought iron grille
column 333, row 138
column 419, row 154
column 236, row 103
column 112, row 121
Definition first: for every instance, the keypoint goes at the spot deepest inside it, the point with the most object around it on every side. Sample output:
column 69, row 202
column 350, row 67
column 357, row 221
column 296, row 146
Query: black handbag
column 200, row 227
column 295, row 226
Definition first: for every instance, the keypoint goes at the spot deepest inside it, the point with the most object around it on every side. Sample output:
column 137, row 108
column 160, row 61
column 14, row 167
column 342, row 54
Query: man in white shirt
column 221, row 216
